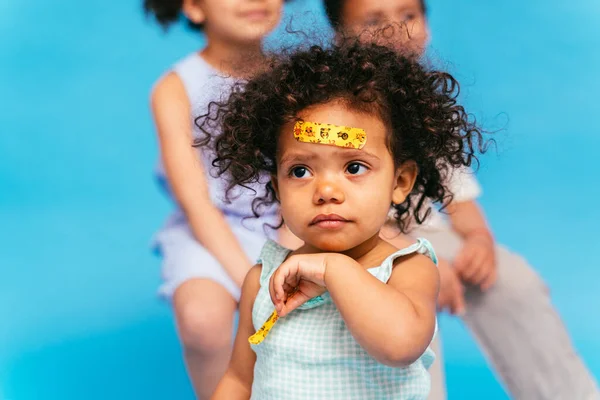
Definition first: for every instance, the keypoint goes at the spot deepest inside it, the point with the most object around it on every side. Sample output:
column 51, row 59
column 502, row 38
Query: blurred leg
column 519, row 330
column 204, row 311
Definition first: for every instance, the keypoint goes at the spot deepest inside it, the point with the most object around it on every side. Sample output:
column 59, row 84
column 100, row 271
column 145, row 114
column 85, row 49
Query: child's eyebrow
column 350, row 153
column 374, row 14
column 296, row 157
column 341, row 153
column 407, row 7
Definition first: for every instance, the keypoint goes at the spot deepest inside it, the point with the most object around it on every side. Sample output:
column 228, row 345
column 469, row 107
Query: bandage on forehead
column 335, row 135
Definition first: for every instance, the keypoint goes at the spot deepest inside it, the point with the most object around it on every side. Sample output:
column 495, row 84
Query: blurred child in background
column 206, row 249
column 501, row 299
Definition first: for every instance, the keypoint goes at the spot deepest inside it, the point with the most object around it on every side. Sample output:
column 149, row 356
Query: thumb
column 461, row 260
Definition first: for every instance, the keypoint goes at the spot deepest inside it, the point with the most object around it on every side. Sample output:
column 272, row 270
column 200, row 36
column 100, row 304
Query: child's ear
column 406, row 175
column 192, row 10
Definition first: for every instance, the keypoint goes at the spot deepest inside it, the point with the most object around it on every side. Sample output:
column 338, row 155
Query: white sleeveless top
column 204, row 84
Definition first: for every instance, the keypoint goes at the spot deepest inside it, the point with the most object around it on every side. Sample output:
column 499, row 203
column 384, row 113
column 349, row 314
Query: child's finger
column 468, row 269
column 476, row 266
column 462, row 262
column 292, row 303
column 482, row 269
column 286, row 273
column 486, row 264
column 292, row 279
column 275, row 287
column 278, row 282
column 274, row 298
column 490, row 280
column 287, row 288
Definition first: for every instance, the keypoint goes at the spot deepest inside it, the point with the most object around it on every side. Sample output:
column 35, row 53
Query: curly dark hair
column 334, row 8
column 167, row 12
column 418, row 105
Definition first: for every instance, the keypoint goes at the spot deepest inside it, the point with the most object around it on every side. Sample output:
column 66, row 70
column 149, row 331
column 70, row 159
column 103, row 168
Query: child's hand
column 476, row 261
column 451, row 297
column 297, row 280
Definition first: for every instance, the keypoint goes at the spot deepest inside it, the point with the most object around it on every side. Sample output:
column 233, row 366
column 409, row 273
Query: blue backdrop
column 78, row 314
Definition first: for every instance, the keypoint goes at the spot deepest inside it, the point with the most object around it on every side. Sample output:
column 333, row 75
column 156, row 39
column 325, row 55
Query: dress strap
column 421, row 246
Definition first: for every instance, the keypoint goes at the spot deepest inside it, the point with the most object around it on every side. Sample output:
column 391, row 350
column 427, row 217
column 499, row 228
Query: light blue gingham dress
column 311, row 355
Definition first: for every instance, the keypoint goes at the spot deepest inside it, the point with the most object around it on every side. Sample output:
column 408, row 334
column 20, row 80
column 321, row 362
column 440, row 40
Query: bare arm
column 394, row 322
column 237, row 381
column 185, row 172
column 467, row 219
column 475, row 263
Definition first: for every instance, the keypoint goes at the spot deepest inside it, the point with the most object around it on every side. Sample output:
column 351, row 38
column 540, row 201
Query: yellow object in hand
column 262, row 333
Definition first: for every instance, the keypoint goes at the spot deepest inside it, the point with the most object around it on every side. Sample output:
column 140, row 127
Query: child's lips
column 329, row 221
column 255, row 15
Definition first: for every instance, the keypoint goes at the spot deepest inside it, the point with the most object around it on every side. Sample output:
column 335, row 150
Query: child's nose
column 327, row 191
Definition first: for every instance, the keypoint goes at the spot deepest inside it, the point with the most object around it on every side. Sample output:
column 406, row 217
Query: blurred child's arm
column 172, row 116
column 475, row 263
column 237, row 381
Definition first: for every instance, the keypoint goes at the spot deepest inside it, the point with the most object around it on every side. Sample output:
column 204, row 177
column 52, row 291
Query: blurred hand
column 451, row 297
column 475, row 264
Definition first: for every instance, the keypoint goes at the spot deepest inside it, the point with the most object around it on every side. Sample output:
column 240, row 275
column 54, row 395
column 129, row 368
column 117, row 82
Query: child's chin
column 332, row 245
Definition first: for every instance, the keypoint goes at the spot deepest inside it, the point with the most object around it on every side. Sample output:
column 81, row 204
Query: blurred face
column 359, row 16
column 239, row 21
column 336, row 198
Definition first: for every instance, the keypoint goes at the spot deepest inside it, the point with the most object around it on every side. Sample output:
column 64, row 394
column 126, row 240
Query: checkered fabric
column 310, row 354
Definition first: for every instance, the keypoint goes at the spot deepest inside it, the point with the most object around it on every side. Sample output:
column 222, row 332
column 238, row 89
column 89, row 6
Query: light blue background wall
column 78, row 314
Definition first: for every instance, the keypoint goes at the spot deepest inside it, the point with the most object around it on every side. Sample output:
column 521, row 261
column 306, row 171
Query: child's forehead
column 333, row 115
column 340, row 114
column 380, row 5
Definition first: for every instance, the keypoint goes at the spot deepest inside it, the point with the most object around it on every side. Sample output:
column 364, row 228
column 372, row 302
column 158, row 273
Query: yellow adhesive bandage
column 262, row 333
column 342, row 136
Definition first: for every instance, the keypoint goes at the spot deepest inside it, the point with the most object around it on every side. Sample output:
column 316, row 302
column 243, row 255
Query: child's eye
column 373, row 22
column 300, row 172
column 356, row 169
column 408, row 17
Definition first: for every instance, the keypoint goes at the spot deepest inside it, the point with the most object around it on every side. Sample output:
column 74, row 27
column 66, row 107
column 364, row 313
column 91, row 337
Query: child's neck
column 235, row 59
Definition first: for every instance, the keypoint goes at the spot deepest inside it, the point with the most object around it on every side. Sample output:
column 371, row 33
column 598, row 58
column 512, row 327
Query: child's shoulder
column 184, row 72
column 252, row 280
column 167, row 84
column 250, row 288
column 415, row 264
column 169, row 99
